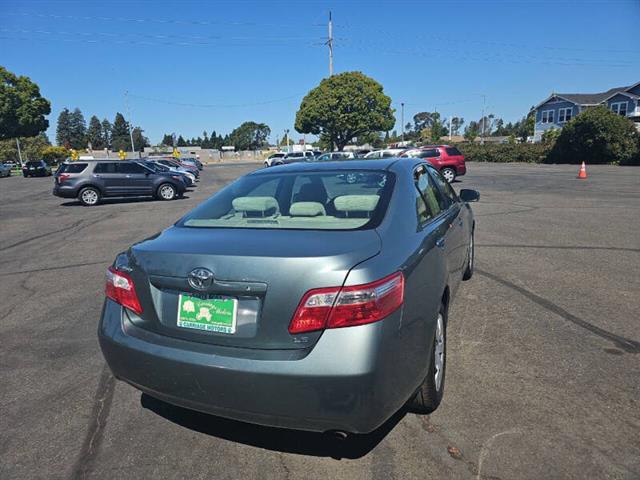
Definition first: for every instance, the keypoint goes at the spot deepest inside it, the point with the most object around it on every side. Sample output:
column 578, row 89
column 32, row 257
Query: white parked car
column 273, row 158
column 385, row 153
column 331, row 156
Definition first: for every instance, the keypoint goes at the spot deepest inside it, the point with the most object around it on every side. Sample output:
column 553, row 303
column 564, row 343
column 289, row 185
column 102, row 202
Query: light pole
column 402, row 119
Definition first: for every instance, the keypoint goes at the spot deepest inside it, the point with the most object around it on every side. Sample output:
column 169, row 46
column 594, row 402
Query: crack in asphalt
column 37, row 237
column 57, row 267
column 95, row 432
column 626, row 344
column 561, row 247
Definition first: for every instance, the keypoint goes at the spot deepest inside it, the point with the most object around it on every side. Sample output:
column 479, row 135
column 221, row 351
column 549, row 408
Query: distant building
column 559, row 108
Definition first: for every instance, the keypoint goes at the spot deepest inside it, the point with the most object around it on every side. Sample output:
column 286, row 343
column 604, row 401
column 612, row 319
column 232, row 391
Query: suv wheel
column 166, row 191
column 430, row 393
column 266, row 164
column 89, row 196
column 449, row 174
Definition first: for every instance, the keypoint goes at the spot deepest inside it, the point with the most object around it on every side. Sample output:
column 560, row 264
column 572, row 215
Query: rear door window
column 130, row 168
column 105, row 167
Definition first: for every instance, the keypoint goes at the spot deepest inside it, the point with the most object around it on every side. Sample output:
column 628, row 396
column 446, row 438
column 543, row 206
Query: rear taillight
column 63, row 176
column 338, row 307
column 120, row 289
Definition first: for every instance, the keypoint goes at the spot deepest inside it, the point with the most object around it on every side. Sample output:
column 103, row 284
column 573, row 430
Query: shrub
column 504, row 153
column 597, row 135
column 53, row 155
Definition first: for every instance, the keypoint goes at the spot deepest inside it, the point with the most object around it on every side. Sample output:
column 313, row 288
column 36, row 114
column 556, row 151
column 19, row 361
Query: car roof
column 346, row 164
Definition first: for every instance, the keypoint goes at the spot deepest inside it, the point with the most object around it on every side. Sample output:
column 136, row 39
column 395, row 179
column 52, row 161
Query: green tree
column 167, row 140
column 181, row 142
column 22, row 108
column 422, row 120
column 63, row 128
column 120, row 134
column 550, row 136
column 94, row 133
column 472, row 131
column 106, row 132
column 31, row 148
column 54, row 155
column 524, row 128
column 596, row 135
column 78, row 129
column 456, row 125
column 345, row 106
column 139, row 140
column 250, row 136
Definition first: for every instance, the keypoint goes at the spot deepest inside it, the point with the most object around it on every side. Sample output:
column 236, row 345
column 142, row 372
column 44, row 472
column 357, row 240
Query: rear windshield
column 331, row 200
column 72, row 167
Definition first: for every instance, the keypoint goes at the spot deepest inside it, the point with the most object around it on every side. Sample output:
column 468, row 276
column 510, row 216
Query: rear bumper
column 65, row 192
column 346, row 382
column 461, row 169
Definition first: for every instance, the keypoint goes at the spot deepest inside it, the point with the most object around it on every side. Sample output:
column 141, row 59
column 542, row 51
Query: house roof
column 589, row 98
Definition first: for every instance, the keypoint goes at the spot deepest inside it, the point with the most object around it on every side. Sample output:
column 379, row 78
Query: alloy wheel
column 438, row 352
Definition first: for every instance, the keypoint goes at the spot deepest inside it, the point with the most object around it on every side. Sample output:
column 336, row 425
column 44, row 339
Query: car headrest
column 356, row 203
column 307, row 209
column 263, row 205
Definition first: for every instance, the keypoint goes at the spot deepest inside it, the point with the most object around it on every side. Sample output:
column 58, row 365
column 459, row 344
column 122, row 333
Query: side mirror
column 467, row 195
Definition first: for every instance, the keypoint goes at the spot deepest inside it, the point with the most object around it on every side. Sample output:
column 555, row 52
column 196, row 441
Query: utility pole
column 286, row 136
column 330, row 43
column 126, row 102
column 402, row 118
column 19, row 152
column 449, row 128
column 482, row 119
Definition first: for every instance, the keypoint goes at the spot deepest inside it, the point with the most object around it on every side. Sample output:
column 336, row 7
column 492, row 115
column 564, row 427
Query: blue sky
column 191, row 66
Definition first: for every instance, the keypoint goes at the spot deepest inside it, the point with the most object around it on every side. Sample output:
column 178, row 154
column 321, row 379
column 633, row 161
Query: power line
column 204, row 105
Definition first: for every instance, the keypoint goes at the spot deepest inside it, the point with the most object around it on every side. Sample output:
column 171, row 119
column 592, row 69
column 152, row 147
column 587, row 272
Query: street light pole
column 330, row 43
column 402, row 118
column 126, row 102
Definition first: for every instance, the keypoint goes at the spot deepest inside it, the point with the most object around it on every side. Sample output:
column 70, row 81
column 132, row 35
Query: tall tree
column 345, row 106
column 78, row 129
column 250, row 136
column 456, row 125
column 106, row 132
column 63, row 129
column 181, row 142
column 120, row 133
column 167, row 140
column 94, row 133
column 422, row 120
column 22, row 108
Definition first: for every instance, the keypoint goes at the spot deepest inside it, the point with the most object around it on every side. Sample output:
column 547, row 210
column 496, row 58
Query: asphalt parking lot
column 543, row 372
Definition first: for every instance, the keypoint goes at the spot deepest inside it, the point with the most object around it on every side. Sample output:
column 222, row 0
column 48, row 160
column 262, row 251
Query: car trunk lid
column 266, row 271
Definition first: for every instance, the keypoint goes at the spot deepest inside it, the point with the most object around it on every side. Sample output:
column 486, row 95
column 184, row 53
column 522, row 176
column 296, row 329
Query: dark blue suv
column 89, row 181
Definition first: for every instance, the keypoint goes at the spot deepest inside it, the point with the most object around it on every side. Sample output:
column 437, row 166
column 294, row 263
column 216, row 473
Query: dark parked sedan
column 38, row 168
column 292, row 298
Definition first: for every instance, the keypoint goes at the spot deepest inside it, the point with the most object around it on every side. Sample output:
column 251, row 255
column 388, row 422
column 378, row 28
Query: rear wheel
column 89, row 196
column 166, row 191
column 430, row 393
column 468, row 273
column 351, row 178
column 266, row 164
column 449, row 174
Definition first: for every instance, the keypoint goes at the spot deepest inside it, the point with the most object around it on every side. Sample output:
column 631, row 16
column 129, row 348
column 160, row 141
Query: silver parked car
column 292, row 298
column 5, row 170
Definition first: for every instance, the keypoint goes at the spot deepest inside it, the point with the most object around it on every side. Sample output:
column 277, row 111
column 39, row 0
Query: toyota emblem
column 200, row 278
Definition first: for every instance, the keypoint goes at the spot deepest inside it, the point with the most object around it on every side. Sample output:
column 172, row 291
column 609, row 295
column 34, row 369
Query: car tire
column 89, row 196
column 351, row 178
column 166, row 192
column 431, row 391
column 468, row 273
column 449, row 174
column 266, row 165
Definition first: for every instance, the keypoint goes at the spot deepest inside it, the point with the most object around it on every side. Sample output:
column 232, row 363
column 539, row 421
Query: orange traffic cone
column 583, row 172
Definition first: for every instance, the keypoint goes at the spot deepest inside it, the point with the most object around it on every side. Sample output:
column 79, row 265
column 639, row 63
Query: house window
column 620, row 108
column 564, row 114
column 547, row 116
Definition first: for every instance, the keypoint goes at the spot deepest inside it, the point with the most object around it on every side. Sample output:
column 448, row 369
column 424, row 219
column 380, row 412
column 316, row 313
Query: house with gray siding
column 559, row 108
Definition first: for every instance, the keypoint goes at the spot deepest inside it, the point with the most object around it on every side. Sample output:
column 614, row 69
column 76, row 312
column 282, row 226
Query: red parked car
column 447, row 159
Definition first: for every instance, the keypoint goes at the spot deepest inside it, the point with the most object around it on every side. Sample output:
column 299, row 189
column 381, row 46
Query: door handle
column 440, row 242
column 127, row 176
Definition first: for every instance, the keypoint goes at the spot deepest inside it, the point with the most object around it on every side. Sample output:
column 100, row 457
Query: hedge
column 504, row 153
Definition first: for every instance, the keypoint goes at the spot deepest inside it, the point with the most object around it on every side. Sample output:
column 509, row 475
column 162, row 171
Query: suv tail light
column 62, row 177
column 337, row 307
column 120, row 289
